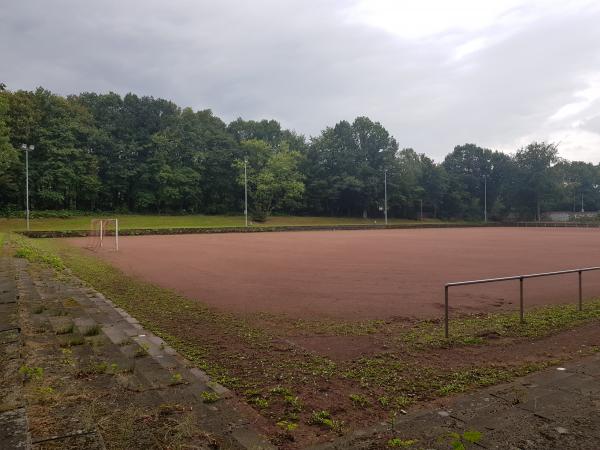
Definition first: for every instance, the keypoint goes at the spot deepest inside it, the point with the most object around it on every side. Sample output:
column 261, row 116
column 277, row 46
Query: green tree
column 8, row 159
column 345, row 167
column 536, row 182
column 63, row 170
column 470, row 168
column 274, row 179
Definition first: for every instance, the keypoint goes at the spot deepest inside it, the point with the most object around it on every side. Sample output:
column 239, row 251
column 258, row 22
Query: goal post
column 104, row 234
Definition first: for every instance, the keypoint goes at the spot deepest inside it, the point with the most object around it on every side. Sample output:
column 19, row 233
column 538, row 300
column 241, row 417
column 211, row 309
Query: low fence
column 521, row 279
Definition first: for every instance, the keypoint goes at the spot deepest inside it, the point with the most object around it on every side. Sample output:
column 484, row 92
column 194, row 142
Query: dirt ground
column 375, row 274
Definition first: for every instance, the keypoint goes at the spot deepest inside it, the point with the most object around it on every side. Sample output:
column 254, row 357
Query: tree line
column 106, row 152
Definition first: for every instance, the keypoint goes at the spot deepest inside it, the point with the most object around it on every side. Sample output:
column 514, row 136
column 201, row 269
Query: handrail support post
column 446, row 332
column 521, row 303
column 580, row 292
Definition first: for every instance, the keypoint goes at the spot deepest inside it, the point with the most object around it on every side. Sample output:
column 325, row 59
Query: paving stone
column 60, row 323
column 84, row 324
column 115, row 334
column 14, row 429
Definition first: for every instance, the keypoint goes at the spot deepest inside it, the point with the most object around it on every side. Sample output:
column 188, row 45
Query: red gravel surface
column 374, row 274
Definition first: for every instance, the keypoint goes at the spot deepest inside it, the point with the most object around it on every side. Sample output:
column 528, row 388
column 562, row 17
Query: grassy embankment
column 286, row 384
column 132, row 221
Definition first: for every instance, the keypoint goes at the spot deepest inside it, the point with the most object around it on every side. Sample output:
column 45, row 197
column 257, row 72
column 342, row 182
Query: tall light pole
column 27, row 149
column 582, row 210
column 385, row 195
column 421, row 201
column 485, row 198
column 246, row 190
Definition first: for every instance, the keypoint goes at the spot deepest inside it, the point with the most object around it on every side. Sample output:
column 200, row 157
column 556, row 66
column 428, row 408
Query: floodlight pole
column 246, row 190
column 421, row 201
column 117, row 235
column 27, row 149
column 485, row 198
column 582, row 210
column 385, row 209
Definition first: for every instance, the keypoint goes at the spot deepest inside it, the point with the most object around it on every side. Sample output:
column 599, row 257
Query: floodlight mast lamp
column 27, row 149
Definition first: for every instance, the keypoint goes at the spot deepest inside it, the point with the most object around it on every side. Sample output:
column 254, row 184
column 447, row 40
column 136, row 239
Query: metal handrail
column 514, row 277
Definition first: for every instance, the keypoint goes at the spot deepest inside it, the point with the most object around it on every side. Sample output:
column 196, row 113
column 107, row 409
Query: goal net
column 104, row 234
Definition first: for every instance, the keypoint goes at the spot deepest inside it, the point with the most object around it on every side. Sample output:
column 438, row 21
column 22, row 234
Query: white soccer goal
column 104, row 234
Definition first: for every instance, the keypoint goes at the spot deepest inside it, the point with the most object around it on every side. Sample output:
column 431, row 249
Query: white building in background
column 568, row 216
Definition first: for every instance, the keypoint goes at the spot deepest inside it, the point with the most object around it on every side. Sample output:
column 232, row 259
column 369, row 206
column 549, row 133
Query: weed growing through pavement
column 209, row 397
column 31, row 373
column 463, row 441
column 176, row 378
column 72, row 341
column 401, row 443
column 45, row 394
column 142, row 350
column 92, row 331
column 66, row 329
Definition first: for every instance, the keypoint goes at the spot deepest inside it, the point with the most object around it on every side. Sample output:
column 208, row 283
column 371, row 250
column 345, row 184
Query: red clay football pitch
column 364, row 274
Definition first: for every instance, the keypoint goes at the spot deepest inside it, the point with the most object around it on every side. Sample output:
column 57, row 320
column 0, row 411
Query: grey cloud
column 300, row 62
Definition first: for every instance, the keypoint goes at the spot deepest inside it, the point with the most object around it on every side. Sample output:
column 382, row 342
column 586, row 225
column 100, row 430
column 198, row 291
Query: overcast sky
column 435, row 73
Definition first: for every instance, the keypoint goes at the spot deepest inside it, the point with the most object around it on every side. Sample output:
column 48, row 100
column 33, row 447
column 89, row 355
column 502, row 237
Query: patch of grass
column 67, row 357
column 137, row 221
column 403, row 383
column 31, row 373
column 32, row 253
column 38, row 309
column 287, row 426
column 66, row 329
column 70, row 303
column 340, row 327
column 176, row 378
column 477, row 329
column 324, row 419
column 401, row 443
column 96, row 368
column 259, row 402
column 282, row 391
column 360, row 401
column 293, row 403
column 141, row 350
column 44, row 394
column 209, row 397
column 92, row 331
column 73, row 341
column 462, row 441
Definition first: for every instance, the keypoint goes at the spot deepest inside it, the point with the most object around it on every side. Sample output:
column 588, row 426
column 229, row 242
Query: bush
column 259, row 215
column 11, row 213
